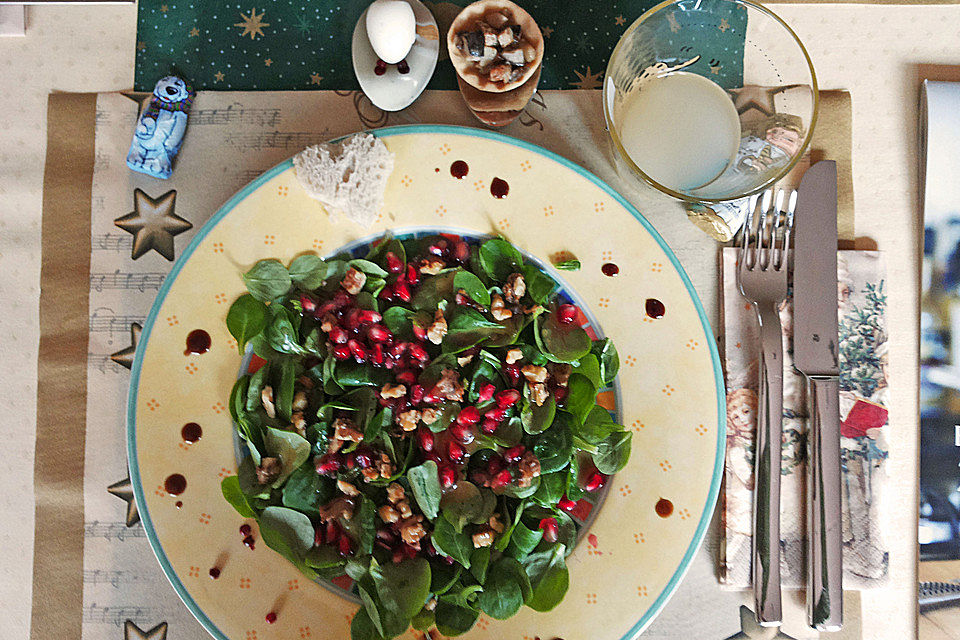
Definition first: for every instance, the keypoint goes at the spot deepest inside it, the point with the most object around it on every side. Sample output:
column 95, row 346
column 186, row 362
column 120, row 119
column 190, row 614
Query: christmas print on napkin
column 863, row 414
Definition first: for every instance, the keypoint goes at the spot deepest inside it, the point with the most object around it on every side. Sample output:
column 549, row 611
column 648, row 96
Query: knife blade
column 816, row 355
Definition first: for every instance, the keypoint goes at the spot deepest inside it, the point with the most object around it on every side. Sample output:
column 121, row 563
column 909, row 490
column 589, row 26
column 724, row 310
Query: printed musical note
column 103, row 363
column 105, row 320
column 112, row 242
column 118, row 280
column 94, row 613
column 113, row 578
column 236, row 113
column 111, row 531
column 274, row 140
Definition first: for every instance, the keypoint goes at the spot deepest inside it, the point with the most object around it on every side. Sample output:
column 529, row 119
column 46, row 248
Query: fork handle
column 766, row 495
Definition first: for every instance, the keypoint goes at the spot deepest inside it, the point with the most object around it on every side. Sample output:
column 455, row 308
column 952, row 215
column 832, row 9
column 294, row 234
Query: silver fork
column 762, row 277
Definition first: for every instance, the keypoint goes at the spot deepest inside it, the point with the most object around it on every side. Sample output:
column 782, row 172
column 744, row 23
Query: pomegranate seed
column 507, row 398
column 595, row 481
column 351, row 320
column 497, row 415
column 245, row 529
column 342, row 298
column 345, row 546
column 489, row 426
column 338, row 335
column 308, row 303
column 413, row 276
column 416, row 394
column 342, row 352
column 550, row 528
column 560, row 394
column 381, row 68
column 432, row 455
column 328, row 463
column 425, row 438
column 386, row 293
column 447, row 474
column 495, row 465
column 363, row 458
column 430, row 398
column 397, row 556
column 428, row 547
column 327, row 307
column 271, row 617
column 448, row 560
column 463, row 299
column 468, row 416
column 249, row 542
column 350, row 463
column 419, row 332
column 455, row 451
column 486, row 392
column 513, row 373
column 332, row 533
column 418, row 353
column 397, row 350
column 465, row 433
column 401, row 291
column 406, row 377
column 513, row 454
column 566, row 504
column 567, row 313
column 376, row 355
column 369, row 316
column 410, row 551
column 318, row 536
column 214, row 573
column 403, row 67
column 393, row 263
column 460, row 251
column 379, row 333
column 359, row 353
column 438, row 249
column 387, row 536
column 501, row 480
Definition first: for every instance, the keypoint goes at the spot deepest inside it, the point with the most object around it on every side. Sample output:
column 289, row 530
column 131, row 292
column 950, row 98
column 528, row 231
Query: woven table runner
column 96, row 577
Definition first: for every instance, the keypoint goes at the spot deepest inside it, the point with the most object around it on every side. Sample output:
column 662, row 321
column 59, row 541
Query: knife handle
column 766, row 494
column 824, row 547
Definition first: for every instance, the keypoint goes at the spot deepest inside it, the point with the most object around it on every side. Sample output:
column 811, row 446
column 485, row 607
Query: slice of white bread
column 349, row 177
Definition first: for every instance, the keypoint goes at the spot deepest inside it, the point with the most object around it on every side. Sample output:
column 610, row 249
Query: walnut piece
column 437, row 329
column 431, row 266
column 305, row 381
column 328, row 323
column 538, row 393
column 266, row 399
column 392, row 391
column 412, row 531
column 559, row 372
column 347, row 489
column 498, row 310
column 299, row 423
column 341, row 506
column 514, row 288
column 513, row 355
column 495, row 523
column 346, row 429
column 403, row 507
column 463, row 361
column 384, row 466
column 449, row 387
column 483, row 538
column 370, row 474
column 395, row 493
column 408, row 419
column 429, row 416
column 299, row 401
column 353, row 281
column 529, row 469
column 269, row 470
column 533, row 373
column 388, row 514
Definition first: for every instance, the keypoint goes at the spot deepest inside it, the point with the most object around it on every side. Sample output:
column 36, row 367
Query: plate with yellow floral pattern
column 637, row 537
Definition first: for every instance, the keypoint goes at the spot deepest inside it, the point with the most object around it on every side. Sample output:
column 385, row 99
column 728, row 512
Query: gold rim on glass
column 615, row 136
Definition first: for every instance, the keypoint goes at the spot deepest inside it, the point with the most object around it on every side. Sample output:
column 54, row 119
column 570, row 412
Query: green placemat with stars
column 305, row 44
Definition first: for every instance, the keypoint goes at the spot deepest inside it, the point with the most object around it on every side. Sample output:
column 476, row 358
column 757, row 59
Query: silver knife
column 815, row 354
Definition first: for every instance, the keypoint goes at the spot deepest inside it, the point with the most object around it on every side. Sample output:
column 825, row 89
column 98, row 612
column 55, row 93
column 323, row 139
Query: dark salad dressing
column 664, row 508
column 175, row 484
column 459, row 169
column 610, row 269
column 198, row 341
column 655, row 308
column 499, row 188
column 191, row 432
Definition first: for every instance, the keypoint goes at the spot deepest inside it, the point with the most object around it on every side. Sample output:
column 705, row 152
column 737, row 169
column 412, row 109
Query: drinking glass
column 710, row 100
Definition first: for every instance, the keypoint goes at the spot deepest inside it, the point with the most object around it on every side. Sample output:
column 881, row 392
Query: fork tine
column 765, row 240
column 745, row 233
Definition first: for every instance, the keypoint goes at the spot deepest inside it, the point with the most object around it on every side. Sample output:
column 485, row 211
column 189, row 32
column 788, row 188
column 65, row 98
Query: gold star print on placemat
column 133, row 632
column 253, row 24
column 588, row 80
column 153, row 224
column 124, row 491
column 124, row 357
column 752, row 630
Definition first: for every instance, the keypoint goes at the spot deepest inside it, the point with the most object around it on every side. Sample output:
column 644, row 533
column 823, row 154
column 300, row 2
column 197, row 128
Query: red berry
column 566, row 504
column 512, row 372
column 489, row 426
column 379, row 333
column 337, row 335
column 345, row 546
column 406, row 377
column 497, row 415
column 271, row 617
column 328, row 463
column 468, row 416
column 425, row 438
column 245, row 529
column 341, row 352
column 418, row 353
column 567, row 313
column 550, row 528
column 507, row 398
column 413, row 276
column 447, row 474
column 394, row 265
column 501, row 480
column 486, row 392
column 419, row 332
column 401, row 291
column 595, row 481
column 513, row 454
column 308, row 303
column 560, row 394
column 359, row 353
column 368, row 316
column 376, row 354
column 403, row 67
column 455, row 451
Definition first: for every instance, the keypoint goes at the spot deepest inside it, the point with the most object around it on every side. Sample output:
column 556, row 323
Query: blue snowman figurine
column 160, row 128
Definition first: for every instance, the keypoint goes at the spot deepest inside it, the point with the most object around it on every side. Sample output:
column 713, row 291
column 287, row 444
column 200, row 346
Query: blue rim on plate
column 714, row 491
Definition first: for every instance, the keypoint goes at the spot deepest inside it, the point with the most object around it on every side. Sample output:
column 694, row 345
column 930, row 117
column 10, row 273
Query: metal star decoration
column 759, row 98
column 752, row 630
column 153, row 224
column 124, row 357
column 124, row 491
column 133, row 632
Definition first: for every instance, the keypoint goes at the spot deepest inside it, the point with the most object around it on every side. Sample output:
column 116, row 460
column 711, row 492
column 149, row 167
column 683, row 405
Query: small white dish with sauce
column 393, row 91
